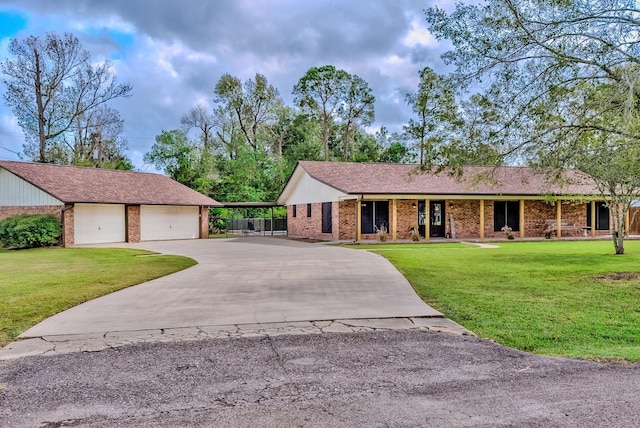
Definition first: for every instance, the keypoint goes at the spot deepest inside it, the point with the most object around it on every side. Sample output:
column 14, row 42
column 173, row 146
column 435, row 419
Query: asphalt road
column 373, row 379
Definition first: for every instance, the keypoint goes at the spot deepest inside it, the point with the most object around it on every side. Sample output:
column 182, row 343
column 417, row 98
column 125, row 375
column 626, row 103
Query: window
column 308, row 210
column 374, row 215
column 602, row 216
column 327, row 226
column 294, row 213
column 506, row 213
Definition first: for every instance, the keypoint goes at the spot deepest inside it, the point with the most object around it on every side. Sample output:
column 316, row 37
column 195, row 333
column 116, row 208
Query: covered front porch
column 479, row 218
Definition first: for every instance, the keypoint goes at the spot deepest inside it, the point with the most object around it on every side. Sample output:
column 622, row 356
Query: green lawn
column 548, row 298
column 36, row 284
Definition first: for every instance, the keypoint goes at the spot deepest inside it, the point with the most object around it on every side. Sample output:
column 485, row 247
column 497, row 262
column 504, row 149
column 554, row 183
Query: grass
column 552, row 298
column 38, row 283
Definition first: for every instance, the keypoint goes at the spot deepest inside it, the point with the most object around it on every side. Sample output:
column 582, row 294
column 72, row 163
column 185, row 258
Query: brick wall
column 204, row 222
column 466, row 217
column 304, row 226
column 132, row 223
column 347, row 220
column 466, row 214
column 55, row 210
column 335, row 221
column 68, row 229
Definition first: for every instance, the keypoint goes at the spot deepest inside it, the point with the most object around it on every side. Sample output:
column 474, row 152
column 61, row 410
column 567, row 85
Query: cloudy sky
column 173, row 52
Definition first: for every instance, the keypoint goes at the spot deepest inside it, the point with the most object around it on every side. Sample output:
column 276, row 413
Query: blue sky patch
column 124, row 40
column 11, row 23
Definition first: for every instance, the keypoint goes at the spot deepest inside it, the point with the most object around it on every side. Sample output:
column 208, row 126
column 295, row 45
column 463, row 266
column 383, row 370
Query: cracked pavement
column 384, row 378
column 92, row 342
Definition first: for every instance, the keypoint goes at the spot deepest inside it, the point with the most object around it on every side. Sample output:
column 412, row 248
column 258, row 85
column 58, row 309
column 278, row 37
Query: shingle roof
column 72, row 184
column 379, row 178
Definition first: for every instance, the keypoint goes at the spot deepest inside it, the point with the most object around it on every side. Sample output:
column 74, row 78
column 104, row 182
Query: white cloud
column 169, row 56
column 419, row 35
column 400, row 70
column 112, row 22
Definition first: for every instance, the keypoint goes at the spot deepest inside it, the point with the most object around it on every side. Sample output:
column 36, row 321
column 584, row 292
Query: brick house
column 101, row 206
column 350, row 201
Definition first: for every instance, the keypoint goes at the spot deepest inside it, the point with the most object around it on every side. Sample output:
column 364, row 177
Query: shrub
column 29, row 231
column 415, row 233
column 382, row 233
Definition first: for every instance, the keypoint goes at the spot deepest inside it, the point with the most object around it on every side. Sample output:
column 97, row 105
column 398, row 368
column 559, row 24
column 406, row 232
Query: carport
column 247, row 222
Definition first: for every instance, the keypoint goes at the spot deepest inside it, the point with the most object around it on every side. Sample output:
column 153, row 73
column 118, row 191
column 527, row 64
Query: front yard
column 36, row 284
column 573, row 299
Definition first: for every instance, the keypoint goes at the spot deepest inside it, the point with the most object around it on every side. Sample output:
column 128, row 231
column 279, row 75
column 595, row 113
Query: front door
column 436, row 211
column 327, row 225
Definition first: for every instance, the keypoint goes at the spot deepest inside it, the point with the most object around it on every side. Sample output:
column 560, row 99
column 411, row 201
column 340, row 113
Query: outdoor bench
column 552, row 226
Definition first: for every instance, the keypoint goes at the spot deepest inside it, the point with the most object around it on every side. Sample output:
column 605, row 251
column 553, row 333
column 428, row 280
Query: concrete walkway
column 243, row 281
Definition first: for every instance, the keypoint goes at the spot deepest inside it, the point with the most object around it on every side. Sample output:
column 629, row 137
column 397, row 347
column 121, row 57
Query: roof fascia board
column 433, row 196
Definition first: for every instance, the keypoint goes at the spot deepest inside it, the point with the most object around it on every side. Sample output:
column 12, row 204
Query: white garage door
column 159, row 222
column 98, row 223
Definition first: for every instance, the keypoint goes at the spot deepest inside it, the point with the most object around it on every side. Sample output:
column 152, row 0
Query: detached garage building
column 104, row 206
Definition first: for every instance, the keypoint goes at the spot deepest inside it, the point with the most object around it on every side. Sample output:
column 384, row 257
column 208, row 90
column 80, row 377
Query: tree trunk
column 619, row 226
column 618, row 242
column 325, row 137
column 205, row 137
column 38, row 86
column 345, row 140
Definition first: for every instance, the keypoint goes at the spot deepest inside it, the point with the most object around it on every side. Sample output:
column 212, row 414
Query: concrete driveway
column 244, row 281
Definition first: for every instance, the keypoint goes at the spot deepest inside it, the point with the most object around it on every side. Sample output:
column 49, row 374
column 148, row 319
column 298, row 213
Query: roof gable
column 378, row 178
column 72, row 184
column 301, row 188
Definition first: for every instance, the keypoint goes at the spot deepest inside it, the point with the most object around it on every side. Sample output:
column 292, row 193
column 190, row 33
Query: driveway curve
column 245, row 281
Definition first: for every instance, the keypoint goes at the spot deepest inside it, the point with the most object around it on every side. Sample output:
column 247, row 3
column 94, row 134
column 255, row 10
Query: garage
column 100, row 206
column 98, row 223
column 162, row 222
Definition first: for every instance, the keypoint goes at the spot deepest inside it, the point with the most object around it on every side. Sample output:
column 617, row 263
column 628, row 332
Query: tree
column 251, row 123
column 303, row 141
column 182, row 160
column 198, row 117
column 472, row 133
column 366, row 148
column 254, row 104
column 97, row 140
column 320, row 92
column 542, row 64
column 611, row 160
column 394, row 149
column 50, row 84
column 435, row 105
column 280, row 128
column 355, row 109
